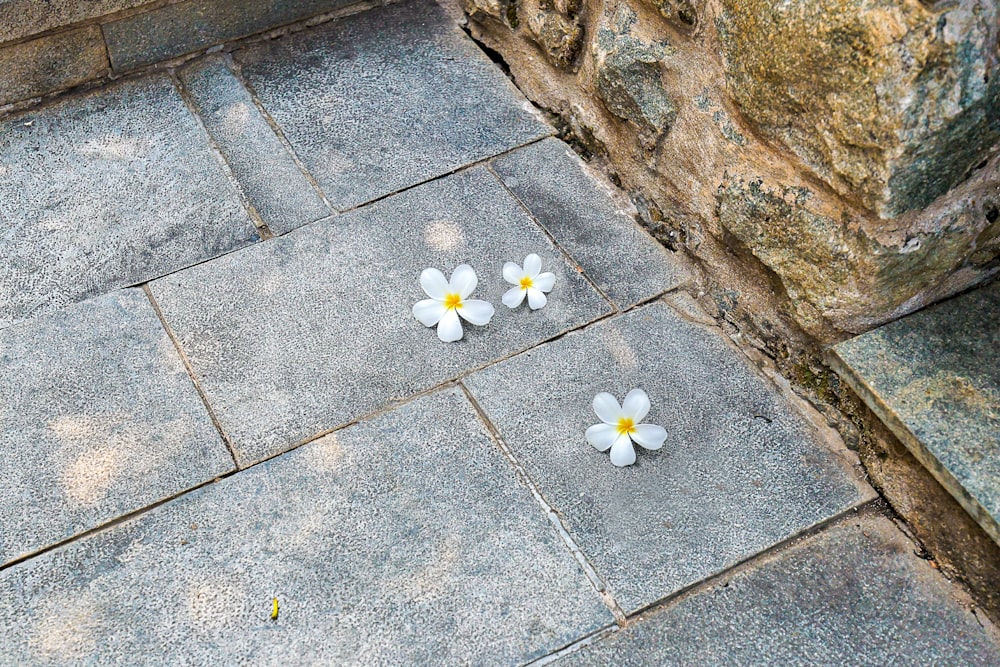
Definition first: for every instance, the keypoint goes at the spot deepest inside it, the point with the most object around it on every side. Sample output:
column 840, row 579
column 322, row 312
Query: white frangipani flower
column 449, row 299
column 621, row 426
column 529, row 282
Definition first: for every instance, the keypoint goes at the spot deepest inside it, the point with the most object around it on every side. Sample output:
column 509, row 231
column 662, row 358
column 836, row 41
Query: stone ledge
column 71, row 43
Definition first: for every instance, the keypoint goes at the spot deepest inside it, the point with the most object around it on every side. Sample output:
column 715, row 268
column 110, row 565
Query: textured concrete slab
column 624, row 261
column 54, row 62
column 184, row 27
column 106, row 190
column 853, row 595
column 383, row 100
column 740, row 471
column 266, row 172
column 314, row 329
column 404, row 540
column 98, row 417
column 933, row 378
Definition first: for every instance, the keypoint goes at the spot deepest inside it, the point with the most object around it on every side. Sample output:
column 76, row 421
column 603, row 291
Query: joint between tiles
column 191, row 374
column 551, row 514
column 258, row 221
column 278, row 132
column 545, row 230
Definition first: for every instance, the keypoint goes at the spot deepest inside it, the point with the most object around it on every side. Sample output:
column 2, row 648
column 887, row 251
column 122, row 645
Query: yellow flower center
column 452, row 301
column 626, row 425
column 527, row 282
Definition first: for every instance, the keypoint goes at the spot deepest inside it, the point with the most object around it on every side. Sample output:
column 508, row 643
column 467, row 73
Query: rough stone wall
column 834, row 163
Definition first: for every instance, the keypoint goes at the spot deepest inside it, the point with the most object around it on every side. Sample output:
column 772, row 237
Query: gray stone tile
column 106, row 190
column 21, row 18
column 740, row 471
column 627, row 264
column 265, row 170
column 185, row 27
column 98, row 417
column 404, row 540
column 853, row 595
column 55, row 62
column 311, row 330
column 382, row 100
column 933, row 378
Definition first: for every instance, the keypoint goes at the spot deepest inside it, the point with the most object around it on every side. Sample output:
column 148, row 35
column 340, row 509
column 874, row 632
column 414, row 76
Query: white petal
column 622, row 452
column 434, row 283
column 532, row 265
column 450, row 327
column 512, row 273
column 545, row 281
column 607, row 408
column 636, row 405
column 536, row 299
column 463, row 280
column 513, row 297
column 602, row 436
column 429, row 311
column 649, row 436
column 478, row 312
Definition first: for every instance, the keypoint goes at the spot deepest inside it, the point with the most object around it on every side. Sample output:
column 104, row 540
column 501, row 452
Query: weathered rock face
column 833, row 163
column 889, row 101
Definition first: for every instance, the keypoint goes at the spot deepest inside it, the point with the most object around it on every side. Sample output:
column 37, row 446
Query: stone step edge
column 913, row 443
column 98, row 49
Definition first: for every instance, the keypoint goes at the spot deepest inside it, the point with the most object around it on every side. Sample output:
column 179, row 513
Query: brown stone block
column 51, row 63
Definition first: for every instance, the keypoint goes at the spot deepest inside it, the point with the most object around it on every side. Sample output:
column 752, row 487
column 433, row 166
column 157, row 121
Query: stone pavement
column 213, row 394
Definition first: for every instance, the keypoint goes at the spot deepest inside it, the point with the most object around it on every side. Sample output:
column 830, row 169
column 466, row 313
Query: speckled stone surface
column 934, row 379
column 853, row 595
column 105, row 190
column 404, row 540
column 265, row 170
column 21, row 18
column 624, row 261
column 53, row 62
column 388, row 98
column 740, row 470
column 311, row 330
column 98, row 417
column 183, row 27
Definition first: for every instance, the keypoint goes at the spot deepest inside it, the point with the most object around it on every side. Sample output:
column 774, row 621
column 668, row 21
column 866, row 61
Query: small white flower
column 528, row 282
column 448, row 300
column 621, row 427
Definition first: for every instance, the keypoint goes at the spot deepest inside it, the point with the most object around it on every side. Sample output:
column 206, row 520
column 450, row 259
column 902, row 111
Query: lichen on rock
column 890, row 101
column 629, row 76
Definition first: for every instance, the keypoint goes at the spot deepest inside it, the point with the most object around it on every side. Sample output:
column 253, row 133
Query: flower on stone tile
column 449, row 299
column 621, row 426
column 528, row 281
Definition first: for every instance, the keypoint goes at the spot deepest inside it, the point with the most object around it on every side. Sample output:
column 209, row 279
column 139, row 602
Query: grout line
column 581, row 643
column 111, row 523
column 237, row 71
column 551, row 514
column 192, row 105
column 762, row 557
column 545, row 230
column 190, row 370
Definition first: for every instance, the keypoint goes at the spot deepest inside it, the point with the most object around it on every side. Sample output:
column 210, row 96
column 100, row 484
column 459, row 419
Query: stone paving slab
column 852, row 595
column 624, row 261
column 53, row 62
column 740, row 471
column 311, row 330
column 404, row 540
column 185, row 27
column 272, row 181
column 382, row 100
column 933, row 378
column 105, row 190
column 98, row 418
